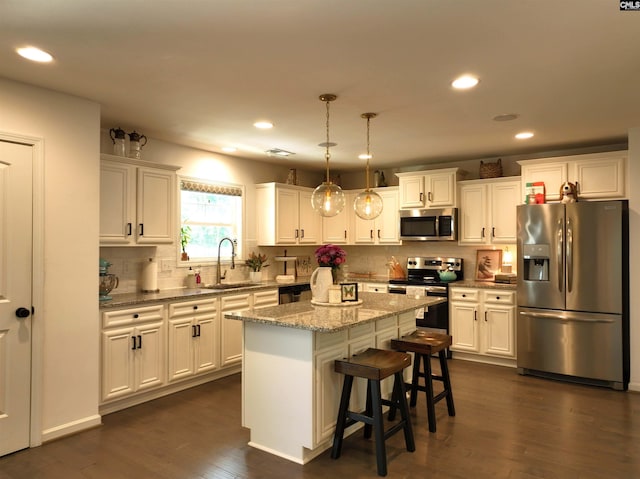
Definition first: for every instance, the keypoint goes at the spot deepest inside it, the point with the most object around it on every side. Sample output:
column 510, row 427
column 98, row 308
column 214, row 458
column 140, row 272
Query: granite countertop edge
column 483, row 284
column 181, row 294
column 331, row 319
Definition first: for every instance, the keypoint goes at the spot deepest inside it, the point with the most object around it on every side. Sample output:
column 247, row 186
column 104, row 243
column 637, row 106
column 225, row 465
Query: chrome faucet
column 219, row 276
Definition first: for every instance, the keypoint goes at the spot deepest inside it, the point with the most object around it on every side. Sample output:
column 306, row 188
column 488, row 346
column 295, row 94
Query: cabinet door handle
column 485, row 316
column 133, row 347
column 577, row 186
column 371, row 234
column 345, row 234
column 193, row 331
column 129, row 229
column 295, row 235
column 198, row 330
column 139, row 341
column 430, row 197
column 475, row 315
column 421, row 197
column 378, row 234
column 482, row 234
column 302, row 233
column 141, row 229
column 493, row 232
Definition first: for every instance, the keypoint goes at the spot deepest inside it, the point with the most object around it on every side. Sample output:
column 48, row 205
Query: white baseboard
column 71, row 428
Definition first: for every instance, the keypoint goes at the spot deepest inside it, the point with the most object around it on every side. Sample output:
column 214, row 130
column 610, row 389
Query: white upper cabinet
column 137, row 202
column 285, row 216
column 596, row 175
column 337, row 229
column 385, row 228
column 488, row 211
column 428, row 189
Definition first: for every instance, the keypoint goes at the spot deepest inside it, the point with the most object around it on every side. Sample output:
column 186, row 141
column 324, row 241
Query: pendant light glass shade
column 368, row 204
column 328, row 198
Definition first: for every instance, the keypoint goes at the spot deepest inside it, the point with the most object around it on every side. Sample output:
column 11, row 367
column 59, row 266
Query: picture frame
column 349, row 292
column 304, row 268
column 488, row 263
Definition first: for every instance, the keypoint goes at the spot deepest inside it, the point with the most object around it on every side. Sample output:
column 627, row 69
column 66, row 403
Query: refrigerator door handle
column 559, row 259
column 564, row 318
column 569, row 256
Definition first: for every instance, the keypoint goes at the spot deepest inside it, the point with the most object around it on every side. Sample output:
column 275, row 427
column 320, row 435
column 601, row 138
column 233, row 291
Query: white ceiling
column 201, row 72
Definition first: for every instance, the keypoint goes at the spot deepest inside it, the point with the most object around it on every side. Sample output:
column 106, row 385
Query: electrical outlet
column 165, row 265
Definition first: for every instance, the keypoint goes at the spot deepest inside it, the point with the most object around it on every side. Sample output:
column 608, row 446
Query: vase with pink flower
column 329, row 258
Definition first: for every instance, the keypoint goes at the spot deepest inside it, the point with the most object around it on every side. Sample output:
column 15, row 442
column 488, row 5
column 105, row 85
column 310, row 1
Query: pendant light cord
column 368, row 154
column 327, row 155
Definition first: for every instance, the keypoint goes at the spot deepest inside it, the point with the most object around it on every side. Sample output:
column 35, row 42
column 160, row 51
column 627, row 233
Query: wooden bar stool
column 424, row 344
column 374, row 365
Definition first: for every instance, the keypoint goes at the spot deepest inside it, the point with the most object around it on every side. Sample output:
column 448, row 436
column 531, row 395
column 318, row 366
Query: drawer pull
column 497, row 297
column 195, row 307
column 464, row 295
column 136, row 316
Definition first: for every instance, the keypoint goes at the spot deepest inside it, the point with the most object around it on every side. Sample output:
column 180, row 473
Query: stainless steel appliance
column 573, row 292
column 292, row 293
column 429, row 225
column 423, row 277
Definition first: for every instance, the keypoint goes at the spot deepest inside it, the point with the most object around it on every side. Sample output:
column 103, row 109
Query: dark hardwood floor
column 506, row 426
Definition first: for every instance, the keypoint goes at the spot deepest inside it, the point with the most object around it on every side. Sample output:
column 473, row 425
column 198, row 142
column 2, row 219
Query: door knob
column 22, row 313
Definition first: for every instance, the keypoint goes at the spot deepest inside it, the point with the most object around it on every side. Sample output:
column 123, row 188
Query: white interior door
column 15, row 295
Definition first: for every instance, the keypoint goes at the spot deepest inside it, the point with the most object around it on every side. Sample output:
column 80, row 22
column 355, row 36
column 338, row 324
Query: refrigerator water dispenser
column 536, row 262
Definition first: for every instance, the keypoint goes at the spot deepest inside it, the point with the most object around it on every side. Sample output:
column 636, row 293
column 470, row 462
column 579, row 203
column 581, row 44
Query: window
column 209, row 212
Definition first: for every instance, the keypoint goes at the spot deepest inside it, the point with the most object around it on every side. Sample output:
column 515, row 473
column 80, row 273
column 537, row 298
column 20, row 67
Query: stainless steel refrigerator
column 573, row 292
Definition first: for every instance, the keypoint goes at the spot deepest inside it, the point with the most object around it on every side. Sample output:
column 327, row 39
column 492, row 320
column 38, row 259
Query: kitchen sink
column 225, row 286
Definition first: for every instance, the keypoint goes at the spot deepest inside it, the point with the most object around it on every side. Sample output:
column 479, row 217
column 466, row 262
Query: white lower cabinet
column 133, row 351
column 150, row 351
column 482, row 324
column 193, row 338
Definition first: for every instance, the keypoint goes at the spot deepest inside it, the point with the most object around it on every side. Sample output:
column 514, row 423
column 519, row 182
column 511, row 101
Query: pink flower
column 330, row 255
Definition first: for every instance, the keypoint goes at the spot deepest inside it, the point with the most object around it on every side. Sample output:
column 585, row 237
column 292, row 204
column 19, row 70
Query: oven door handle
column 397, row 289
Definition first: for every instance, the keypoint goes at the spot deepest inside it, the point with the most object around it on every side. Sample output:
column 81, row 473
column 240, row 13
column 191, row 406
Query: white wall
column 69, row 127
column 634, row 253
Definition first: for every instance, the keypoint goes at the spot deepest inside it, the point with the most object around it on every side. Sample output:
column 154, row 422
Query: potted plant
column 256, row 262
column 185, row 237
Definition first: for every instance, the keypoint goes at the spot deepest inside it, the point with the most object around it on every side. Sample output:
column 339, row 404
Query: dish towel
column 417, row 292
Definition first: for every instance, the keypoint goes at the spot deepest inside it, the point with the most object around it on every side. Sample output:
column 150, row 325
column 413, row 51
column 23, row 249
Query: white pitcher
column 321, row 281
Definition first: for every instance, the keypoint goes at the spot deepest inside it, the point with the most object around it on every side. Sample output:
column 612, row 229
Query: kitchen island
column 290, row 392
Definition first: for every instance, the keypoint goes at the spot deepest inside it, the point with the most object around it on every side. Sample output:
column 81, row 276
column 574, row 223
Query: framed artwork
column 488, row 262
column 349, row 291
column 304, row 267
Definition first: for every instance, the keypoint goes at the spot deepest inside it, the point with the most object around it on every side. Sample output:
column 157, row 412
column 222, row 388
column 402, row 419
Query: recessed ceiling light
column 229, row 149
column 263, row 125
column 279, row 152
column 34, row 54
column 465, row 81
column 506, row 117
column 364, row 156
column 524, row 135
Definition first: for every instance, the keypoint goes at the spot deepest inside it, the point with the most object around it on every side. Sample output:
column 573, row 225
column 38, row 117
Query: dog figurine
column 568, row 193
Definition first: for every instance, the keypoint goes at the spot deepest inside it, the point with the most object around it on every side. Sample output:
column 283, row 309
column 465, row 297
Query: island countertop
column 332, row 318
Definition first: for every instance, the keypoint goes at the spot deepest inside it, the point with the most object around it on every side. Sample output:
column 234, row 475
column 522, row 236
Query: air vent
column 278, row 152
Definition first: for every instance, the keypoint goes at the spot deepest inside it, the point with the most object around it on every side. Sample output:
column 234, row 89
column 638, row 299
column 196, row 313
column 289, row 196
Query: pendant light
column 328, row 198
column 368, row 204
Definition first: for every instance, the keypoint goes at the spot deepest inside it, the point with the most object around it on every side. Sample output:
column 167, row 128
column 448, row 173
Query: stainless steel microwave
column 429, row 225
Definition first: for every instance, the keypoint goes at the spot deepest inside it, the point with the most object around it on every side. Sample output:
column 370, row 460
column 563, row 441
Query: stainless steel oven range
column 423, row 277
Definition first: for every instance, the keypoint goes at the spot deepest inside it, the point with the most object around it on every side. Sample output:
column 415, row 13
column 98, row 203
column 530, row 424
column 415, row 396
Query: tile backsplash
column 127, row 262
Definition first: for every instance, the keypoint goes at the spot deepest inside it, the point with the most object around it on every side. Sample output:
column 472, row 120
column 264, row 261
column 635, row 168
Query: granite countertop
column 483, row 284
column 180, row 294
column 305, row 315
